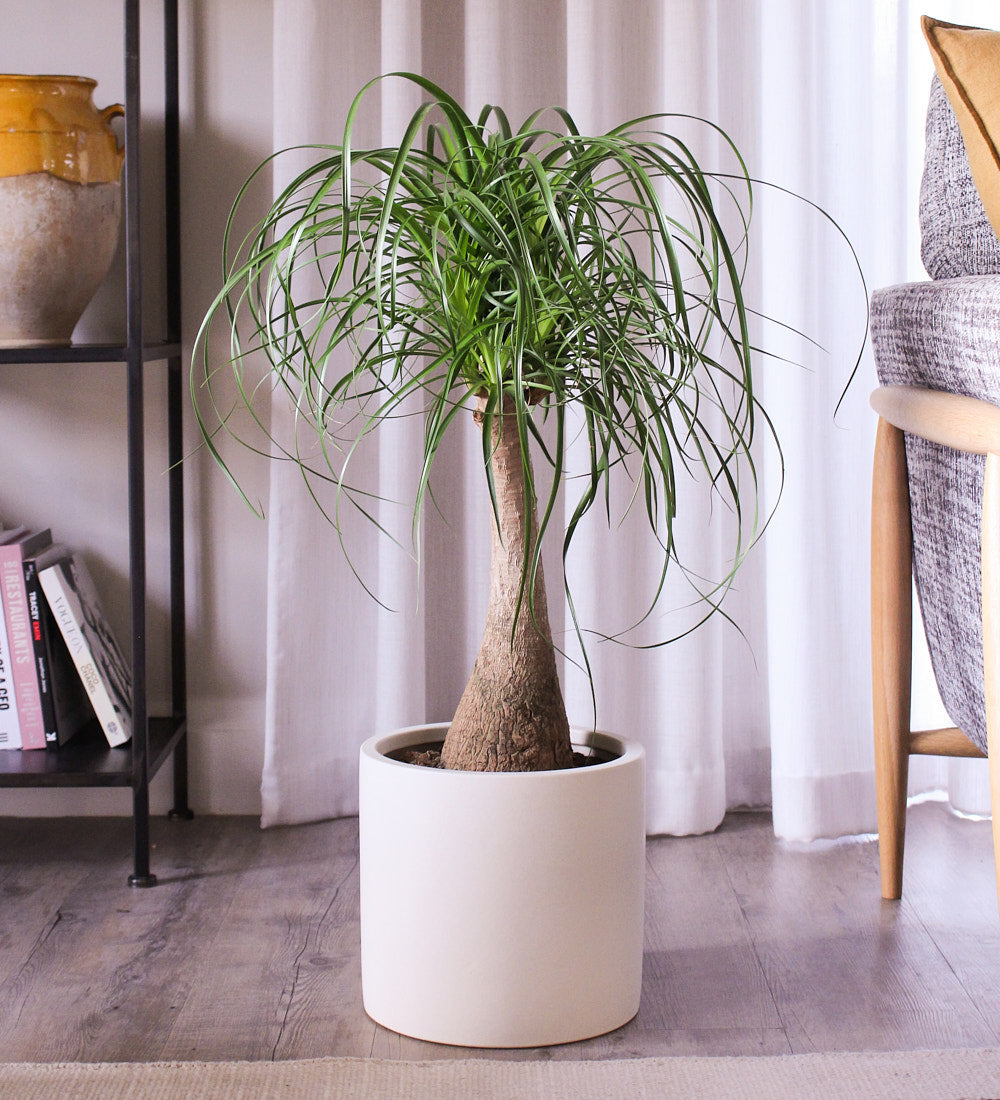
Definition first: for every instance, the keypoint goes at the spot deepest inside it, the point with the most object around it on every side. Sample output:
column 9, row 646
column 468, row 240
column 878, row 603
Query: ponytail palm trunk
column 519, row 276
column 511, row 715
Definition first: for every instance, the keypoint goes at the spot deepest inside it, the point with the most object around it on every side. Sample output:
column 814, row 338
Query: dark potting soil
column 428, row 755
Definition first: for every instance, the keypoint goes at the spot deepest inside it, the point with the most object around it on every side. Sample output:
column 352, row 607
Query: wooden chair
column 936, row 487
column 971, row 426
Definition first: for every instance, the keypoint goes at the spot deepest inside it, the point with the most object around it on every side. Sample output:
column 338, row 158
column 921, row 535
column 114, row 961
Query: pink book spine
column 22, row 653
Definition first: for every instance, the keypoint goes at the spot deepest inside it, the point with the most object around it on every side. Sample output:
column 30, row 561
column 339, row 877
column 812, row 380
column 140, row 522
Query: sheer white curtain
column 815, row 97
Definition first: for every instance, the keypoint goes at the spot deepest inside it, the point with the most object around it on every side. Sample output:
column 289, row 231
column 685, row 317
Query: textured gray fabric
column 956, row 236
column 945, row 335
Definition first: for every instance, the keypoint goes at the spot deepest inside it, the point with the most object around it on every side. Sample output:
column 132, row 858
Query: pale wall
column 62, row 428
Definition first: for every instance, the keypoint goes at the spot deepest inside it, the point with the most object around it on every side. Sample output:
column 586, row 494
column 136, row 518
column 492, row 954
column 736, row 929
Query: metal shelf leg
column 141, row 875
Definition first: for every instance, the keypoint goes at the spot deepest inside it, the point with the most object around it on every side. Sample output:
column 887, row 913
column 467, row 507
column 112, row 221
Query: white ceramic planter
column 501, row 910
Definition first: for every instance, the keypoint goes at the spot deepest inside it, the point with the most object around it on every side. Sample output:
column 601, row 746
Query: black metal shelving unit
column 89, row 762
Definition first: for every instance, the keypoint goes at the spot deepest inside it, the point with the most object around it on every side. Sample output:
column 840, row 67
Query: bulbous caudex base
column 511, row 716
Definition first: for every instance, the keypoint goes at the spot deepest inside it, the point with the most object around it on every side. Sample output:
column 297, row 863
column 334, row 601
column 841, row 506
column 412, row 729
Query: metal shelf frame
column 87, row 761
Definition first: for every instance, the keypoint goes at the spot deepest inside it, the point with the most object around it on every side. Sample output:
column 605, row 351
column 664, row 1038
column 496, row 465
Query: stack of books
column 60, row 664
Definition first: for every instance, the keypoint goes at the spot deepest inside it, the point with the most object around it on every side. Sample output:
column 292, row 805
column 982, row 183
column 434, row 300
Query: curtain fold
column 777, row 712
column 813, row 140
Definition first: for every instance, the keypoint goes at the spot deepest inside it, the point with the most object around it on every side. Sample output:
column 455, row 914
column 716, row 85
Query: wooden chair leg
column 990, row 565
column 892, row 625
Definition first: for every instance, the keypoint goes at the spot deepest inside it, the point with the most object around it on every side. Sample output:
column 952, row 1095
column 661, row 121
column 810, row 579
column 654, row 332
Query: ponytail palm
column 515, row 277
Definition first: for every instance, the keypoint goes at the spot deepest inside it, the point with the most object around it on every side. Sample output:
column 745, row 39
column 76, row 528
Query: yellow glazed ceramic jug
column 60, row 205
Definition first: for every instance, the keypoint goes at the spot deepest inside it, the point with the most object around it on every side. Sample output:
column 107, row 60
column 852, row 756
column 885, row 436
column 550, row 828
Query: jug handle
column 115, row 110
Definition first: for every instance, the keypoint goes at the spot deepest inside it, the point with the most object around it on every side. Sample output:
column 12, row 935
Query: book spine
column 10, row 726
column 33, row 593
column 67, row 617
column 22, row 653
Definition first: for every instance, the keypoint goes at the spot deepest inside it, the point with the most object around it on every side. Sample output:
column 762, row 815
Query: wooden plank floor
column 248, row 948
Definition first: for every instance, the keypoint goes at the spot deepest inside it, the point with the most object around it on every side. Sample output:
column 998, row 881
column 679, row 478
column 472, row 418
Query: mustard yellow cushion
column 967, row 60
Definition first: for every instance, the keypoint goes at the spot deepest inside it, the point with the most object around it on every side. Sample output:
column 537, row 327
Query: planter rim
column 376, row 748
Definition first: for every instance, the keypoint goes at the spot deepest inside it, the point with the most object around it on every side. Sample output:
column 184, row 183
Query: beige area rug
column 909, row 1075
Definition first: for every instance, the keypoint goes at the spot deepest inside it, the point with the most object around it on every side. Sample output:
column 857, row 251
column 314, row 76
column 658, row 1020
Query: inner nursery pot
column 501, row 909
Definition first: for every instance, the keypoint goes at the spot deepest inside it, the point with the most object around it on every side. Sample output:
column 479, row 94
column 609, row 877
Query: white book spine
column 68, row 614
column 10, row 726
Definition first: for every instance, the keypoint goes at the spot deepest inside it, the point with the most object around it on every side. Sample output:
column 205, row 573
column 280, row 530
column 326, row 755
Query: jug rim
column 48, row 78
